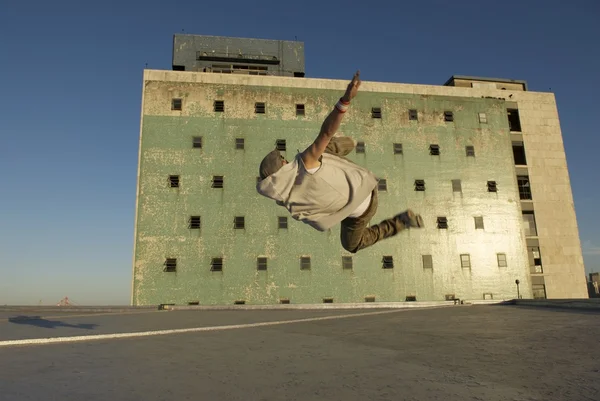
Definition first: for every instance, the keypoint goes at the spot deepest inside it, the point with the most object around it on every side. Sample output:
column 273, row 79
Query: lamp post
column 518, row 294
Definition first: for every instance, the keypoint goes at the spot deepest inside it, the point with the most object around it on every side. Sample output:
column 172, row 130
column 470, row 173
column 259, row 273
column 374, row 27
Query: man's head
column 272, row 162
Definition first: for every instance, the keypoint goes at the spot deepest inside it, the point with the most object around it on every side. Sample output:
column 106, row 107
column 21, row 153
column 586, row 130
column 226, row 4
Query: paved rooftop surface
column 482, row 352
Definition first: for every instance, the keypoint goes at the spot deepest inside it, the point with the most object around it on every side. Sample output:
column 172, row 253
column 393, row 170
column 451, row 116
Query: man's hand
column 313, row 153
column 352, row 88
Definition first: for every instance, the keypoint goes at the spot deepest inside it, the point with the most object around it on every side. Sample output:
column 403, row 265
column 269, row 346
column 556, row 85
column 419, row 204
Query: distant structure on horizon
column 482, row 160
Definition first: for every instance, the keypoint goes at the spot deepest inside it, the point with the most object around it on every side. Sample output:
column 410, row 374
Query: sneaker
column 410, row 219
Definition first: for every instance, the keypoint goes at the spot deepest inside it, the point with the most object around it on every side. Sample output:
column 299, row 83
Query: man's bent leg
column 356, row 235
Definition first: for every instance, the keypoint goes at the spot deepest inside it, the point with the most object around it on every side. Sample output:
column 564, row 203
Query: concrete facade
column 238, row 55
column 163, row 213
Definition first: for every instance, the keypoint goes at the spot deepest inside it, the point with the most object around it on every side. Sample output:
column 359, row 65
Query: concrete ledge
column 365, row 305
column 587, row 304
column 79, row 309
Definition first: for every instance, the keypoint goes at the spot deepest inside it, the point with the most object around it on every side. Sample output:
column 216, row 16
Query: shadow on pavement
column 48, row 324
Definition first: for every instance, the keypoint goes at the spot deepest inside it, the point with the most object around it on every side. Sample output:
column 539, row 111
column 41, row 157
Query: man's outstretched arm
column 332, row 123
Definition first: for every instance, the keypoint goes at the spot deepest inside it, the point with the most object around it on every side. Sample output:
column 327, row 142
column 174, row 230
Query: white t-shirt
column 361, row 209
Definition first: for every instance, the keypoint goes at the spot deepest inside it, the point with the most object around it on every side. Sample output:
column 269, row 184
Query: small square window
column 239, row 222
column 360, row 147
column 427, row 262
column 376, row 112
column 216, row 265
column 217, row 181
column 174, row 181
column 197, row 142
column 442, row 222
column 502, row 260
column 470, row 151
column 456, row 186
column 448, row 116
column 176, row 104
column 478, row 222
column 239, row 143
column 282, row 222
column 300, row 110
column 305, row 263
column 419, row 185
column 194, row 222
column 482, row 118
column 398, row 149
column 261, row 263
column 413, row 115
column 259, row 108
column 170, row 265
column 465, row 261
column 219, row 106
column 347, row 262
column 280, row 145
column 492, row 186
column 434, row 150
column 382, row 185
column 388, row 262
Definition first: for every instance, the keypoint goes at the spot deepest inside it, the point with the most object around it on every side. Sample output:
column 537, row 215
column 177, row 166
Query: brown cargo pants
column 355, row 233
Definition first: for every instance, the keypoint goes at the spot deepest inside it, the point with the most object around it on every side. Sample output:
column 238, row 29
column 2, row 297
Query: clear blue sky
column 70, row 84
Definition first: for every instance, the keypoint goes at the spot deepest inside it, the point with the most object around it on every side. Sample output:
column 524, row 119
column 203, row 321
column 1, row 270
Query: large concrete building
column 481, row 159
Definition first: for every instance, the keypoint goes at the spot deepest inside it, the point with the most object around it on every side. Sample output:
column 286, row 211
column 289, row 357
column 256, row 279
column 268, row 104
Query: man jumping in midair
column 321, row 188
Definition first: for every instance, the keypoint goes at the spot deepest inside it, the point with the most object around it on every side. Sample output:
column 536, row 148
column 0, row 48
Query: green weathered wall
column 162, row 223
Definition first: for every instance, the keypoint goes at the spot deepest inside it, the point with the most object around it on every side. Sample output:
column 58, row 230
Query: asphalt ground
column 481, row 352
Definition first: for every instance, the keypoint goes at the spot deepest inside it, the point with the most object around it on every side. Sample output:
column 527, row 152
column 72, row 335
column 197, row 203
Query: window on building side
column 456, row 186
column 382, row 184
column 376, row 112
column 514, row 122
column 261, row 263
column 478, row 222
column 282, row 222
column 305, row 263
column 174, row 181
column 218, row 181
column 216, row 265
column 465, row 261
column 492, row 186
column 194, row 222
column 239, row 222
column 259, row 108
column 434, row 150
column 519, row 153
column 239, row 143
column 219, row 106
column 470, row 150
column 482, row 118
column 501, row 260
column 529, row 224
column 347, row 262
column 524, row 187
column 388, row 262
column 398, row 149
column 197, row 142
column 427, row 262
column 442, row 222
column 448, row 116
column 360, row 147
column 419, row 185
column 280, row 145
column 170, row 265
column 413, row 115
column 300, row 110
column 176, row 104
